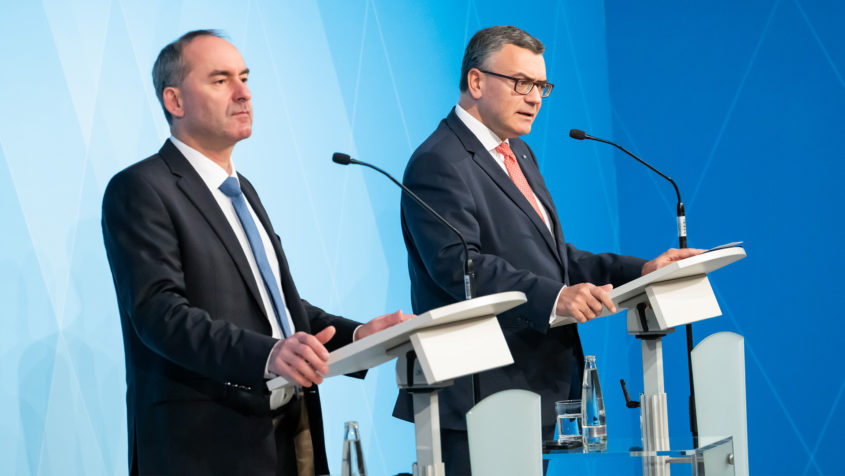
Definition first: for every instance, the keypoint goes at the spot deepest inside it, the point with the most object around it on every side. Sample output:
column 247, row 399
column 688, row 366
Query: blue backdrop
column 740, row 102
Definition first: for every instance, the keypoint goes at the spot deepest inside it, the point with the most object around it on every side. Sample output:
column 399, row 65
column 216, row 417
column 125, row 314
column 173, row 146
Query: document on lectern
column 709, row 260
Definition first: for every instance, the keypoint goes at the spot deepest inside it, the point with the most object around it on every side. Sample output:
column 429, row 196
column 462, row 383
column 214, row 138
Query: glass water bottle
column 594, row 428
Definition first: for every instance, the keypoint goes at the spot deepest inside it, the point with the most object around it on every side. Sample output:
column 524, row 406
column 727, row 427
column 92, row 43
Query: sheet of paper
column 726, row 245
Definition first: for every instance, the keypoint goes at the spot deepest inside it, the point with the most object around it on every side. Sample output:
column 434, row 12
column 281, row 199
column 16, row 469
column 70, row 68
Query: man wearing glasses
column 477, row 173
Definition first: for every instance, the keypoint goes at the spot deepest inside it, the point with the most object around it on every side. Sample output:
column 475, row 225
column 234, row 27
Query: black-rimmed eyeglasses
column 524, row 86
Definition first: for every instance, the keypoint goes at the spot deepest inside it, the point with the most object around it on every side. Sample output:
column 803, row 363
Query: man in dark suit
column 208, row 307
column 477, row 173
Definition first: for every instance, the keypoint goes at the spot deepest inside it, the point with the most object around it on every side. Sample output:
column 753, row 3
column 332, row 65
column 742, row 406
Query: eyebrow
column 522, row 75
column 221, row 72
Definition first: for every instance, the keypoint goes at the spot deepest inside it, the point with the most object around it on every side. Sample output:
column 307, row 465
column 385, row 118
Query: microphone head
column 341, row 158
column 577, row 134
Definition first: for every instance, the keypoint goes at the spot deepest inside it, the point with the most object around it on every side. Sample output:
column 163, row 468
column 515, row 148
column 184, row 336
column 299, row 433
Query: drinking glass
column 568, row 421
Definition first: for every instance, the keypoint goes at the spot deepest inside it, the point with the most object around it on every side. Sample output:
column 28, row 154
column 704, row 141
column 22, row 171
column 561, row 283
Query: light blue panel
column 42, row 162
column 78, row 31
column 93, row 397
column 43, row 145
column 70, row 425
column 149, row 26
column 231, row 17
column 27, row 353
column 124, row 120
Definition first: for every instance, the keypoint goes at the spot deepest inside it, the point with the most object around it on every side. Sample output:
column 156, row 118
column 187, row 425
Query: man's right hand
column 302, row 358
column 584, row 301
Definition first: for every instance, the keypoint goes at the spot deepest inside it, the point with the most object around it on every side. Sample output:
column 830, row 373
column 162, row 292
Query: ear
column 173, row 101
column 475, row 80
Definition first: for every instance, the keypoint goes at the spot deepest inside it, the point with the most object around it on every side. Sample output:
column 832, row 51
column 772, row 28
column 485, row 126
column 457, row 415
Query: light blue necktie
column 232, row 189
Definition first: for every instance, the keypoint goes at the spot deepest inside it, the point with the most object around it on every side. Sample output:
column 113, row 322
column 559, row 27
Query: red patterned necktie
column 516, row 176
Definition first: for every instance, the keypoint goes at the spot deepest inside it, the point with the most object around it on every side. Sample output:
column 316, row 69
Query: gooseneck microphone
column 469, row 274
column 682, row 241
column 682, row 221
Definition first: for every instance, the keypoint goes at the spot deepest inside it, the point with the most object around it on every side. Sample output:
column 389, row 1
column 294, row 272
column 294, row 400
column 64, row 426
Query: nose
column 241, row 92
column 535, row 96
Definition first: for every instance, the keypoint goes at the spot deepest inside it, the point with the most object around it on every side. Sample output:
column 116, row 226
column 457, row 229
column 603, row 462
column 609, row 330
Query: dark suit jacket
column 512, row 250
column 196, row 336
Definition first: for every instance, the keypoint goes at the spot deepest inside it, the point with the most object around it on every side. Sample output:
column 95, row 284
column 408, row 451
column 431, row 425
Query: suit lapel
column 538, row 185
column 197, row 192
column 488, row 164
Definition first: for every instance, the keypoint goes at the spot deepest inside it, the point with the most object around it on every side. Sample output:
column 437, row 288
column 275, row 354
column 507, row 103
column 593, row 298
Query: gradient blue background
column 740, row 102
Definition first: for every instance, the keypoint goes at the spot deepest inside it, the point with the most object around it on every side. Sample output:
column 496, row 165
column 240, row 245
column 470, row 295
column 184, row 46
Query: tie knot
column 231, row 187
column 505, row 149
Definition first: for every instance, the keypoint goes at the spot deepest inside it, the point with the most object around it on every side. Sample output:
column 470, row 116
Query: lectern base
column 427, row 429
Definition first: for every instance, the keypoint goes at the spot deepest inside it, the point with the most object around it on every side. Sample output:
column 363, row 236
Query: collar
column 489, row 140
column 211, row 174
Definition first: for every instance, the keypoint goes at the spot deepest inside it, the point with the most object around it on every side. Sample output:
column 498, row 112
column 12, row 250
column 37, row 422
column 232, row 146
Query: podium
column 431, row 350
column 674, row 295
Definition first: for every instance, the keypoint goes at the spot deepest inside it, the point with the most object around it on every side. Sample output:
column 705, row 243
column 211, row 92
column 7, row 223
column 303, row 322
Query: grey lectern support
column 674, row 295
column 432, row 349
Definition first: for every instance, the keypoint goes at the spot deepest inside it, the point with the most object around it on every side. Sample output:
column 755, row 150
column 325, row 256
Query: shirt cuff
column 267, row 374
column 355, row 332
column 552, row 316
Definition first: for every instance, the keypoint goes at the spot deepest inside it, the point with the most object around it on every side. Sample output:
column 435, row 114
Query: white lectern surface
column 373, row 350
column 697, row 265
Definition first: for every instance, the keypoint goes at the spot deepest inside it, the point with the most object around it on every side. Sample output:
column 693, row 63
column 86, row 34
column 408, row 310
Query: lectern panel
column 461, row 349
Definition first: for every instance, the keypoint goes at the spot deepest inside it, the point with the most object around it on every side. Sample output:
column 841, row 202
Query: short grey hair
column 490, row 40
column 170, row 68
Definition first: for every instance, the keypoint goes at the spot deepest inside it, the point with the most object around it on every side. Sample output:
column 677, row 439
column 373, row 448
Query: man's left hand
column 669, row 256
column 381, row 323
